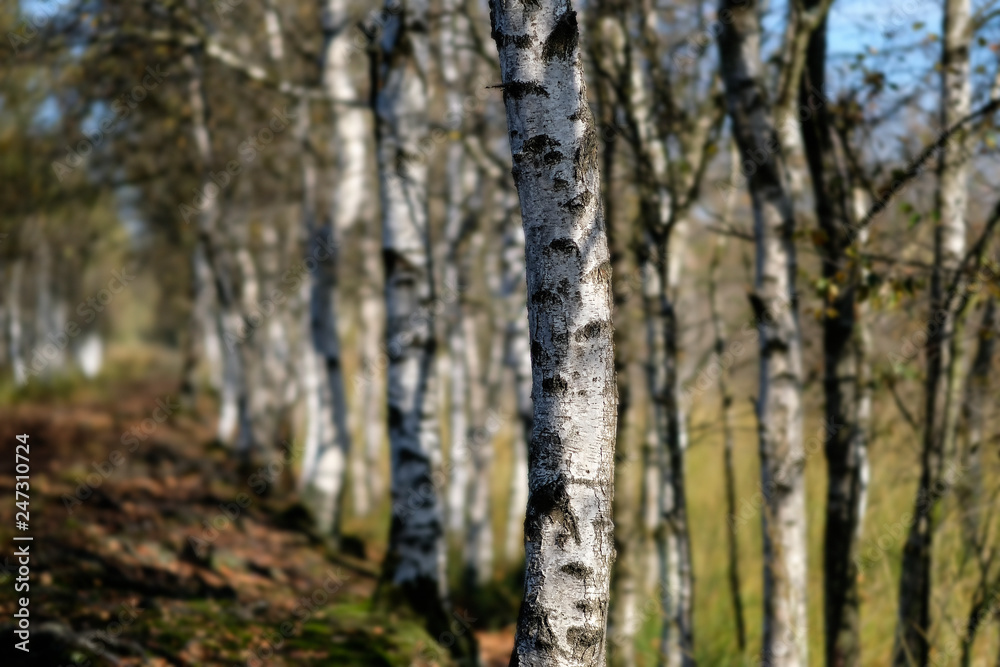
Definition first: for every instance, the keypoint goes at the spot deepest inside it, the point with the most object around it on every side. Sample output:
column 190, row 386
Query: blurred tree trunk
column 976, row 408
column 569, row 531
column 15, row 337
column 50, row 312
column 623, row 620
column 774, row 299
column 453, row 67
column 479, row 442
column 370, row 383
column 518, row 359
column 203, row 349
column 351, row 196
column 726, row 414
column 89, row 354
column 844, row 369
column 235, row 406
column 324, row 471
column 413, row 572
column 942, row 379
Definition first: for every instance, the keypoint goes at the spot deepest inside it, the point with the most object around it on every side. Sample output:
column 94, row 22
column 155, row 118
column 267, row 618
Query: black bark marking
column 560, row 184
column 565, row 245
column 555, row 384
column 578, row 203
column 396, row 417
column 545, row 298
column 593, row 329
column 515, row 90
column 515, row 172
column 584, row 640
column 533, row 623
column 539, row 357
column 517, row 41
column 577, row 570
column 562, row 41
column 553, row 158
column 536, row 145
column 410, row 456
column 550, row 501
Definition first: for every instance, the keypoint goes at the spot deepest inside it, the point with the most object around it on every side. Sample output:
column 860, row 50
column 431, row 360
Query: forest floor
column 150, row 547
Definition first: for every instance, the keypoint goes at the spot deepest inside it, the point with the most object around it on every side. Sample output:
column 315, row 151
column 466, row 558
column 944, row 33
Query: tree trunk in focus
column 569, row 541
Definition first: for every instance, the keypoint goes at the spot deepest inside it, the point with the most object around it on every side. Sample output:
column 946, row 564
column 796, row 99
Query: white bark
column 235, row 406
column 90, row 354
column 14, row 323
column 323, row 477
column 479, row 540
column 569, row 542
column 50, row 314
column 779, row 400
column 518, row 358
column 415, row 559
column 204, row 305
column 942, row 380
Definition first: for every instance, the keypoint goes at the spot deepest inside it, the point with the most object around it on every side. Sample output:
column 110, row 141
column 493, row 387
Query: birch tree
column 673, row 119
column 568, row 529
column 774, row 300
column 845, row 366
column 328, row 445
column 235, row 408
column 912, row 644
column 413, row 571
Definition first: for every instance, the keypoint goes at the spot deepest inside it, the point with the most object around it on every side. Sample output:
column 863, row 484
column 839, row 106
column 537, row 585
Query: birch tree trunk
column 414, row 565
column 779, row 402
column 844, row 366
column 229, row 320
column 912, row 644
column 461, row 382
column 371, row 383
column 518, row 358
column 324, row 471
column 976, row 409
column 15, row 339
column 607, row 46
column 726, row 417
column 569, row 543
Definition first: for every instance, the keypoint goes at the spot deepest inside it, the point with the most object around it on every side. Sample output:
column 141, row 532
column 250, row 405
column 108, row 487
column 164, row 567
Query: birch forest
column 468, row 333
